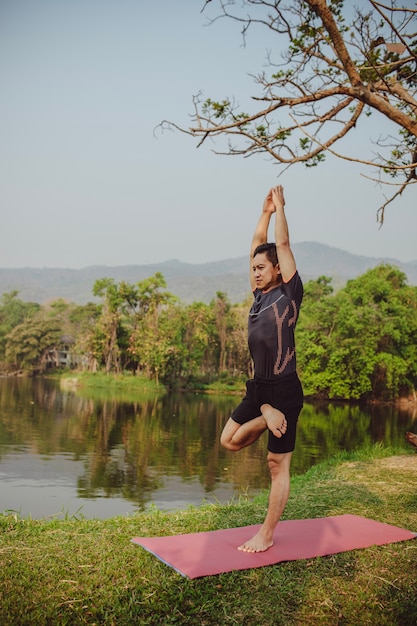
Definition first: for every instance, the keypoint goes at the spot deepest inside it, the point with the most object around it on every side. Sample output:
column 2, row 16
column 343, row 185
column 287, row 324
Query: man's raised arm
column 282, row 239
column 261, row 232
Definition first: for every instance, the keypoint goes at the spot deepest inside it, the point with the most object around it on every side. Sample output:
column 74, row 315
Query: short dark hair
column 270, row 250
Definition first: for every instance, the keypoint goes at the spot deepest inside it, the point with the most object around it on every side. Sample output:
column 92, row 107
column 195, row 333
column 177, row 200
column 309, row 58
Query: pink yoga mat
column 204, row 554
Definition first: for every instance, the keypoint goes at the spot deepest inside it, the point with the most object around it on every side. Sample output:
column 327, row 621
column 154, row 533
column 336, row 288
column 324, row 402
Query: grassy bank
column 100, row 380
column 79, row 571
column 130, row 382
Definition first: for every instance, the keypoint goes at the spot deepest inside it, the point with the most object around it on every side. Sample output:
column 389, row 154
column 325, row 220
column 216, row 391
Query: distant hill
column 190, row 282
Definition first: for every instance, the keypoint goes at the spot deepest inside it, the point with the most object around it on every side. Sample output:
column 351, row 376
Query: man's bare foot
column 258, row 543
column 275, row 420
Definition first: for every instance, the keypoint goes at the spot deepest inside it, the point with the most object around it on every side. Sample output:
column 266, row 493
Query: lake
column 98, row 454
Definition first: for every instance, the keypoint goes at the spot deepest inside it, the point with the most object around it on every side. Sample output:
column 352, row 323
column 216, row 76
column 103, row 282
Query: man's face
column 266, row 275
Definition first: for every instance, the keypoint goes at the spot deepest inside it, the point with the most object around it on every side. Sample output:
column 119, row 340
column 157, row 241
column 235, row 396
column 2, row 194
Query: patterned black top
column 271, row 326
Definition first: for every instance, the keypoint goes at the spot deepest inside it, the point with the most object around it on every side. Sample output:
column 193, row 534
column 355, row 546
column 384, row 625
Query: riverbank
column 77, row 571
column 226, row 385
column 128, row 381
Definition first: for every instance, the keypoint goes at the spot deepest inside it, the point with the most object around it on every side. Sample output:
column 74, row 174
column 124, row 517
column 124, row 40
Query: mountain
column 190, row 282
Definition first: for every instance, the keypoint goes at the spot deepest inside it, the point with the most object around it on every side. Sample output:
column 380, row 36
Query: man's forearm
column 261, row 231
column 282, row 237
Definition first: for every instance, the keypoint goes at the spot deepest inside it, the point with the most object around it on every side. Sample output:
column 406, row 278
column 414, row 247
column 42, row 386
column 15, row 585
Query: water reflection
column 106, row 454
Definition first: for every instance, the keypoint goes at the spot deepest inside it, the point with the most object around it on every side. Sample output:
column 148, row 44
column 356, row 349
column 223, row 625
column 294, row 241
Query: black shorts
column 285, row 394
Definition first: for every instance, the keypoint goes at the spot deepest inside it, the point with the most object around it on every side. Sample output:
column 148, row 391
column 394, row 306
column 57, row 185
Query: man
column 274, row 396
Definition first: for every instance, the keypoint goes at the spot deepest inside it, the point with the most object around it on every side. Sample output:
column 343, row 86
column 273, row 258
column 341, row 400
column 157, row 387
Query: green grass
column 109, row 383
column 129, row 382
column 78, row 571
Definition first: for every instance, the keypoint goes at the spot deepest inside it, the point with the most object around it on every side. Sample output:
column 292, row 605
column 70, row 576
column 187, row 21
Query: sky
column 86, row 177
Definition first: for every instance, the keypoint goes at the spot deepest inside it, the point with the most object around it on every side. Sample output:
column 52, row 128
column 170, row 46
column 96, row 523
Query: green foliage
column 218, row 109
column 27, row 343
column 361, row 342
column 13, row 312
column 358, row 343
column 196, row 343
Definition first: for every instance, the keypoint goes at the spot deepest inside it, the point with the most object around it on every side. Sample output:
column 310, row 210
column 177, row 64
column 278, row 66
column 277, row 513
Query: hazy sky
column 83, row 179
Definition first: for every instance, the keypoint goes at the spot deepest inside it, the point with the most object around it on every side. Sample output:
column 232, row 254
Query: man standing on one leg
column 274, row 397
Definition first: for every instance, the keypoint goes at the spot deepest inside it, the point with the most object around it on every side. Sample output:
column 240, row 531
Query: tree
column 13, row 312
column 150, row 341
column 221, row 308
column 116, row 297
column 198, row 338
column 239, row 362
column 387, row 308
column 341, row 63
column 27, row 343
column 315, row 329
column 361, row 342
column 83, row 320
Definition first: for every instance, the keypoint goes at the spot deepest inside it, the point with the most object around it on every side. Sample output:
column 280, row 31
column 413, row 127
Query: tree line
column 359, row 343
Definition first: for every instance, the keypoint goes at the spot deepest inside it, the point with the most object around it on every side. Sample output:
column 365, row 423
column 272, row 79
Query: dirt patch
column 393, row 474
column 404, row 463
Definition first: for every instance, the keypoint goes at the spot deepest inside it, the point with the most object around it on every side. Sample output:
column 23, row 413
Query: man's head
column 265, row 267
column 270, row 250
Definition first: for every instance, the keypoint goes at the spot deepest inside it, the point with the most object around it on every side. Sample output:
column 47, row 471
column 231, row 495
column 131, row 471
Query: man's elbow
column 283, row 244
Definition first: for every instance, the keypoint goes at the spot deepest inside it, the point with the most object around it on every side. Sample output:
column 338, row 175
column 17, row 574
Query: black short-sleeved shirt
column 271, row 326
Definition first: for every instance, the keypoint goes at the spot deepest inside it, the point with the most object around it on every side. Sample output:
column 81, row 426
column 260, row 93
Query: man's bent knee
column 226, row 438
column 226, row 443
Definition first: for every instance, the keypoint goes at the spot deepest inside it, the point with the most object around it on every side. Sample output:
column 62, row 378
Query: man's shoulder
column 295, row 280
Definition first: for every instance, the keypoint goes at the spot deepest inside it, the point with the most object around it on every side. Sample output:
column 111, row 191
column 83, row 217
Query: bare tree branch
column 338, row 65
